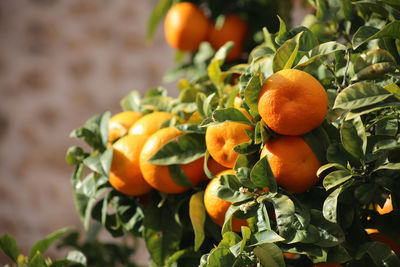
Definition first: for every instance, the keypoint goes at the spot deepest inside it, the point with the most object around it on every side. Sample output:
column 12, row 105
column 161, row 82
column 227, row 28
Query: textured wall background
column 62, row 61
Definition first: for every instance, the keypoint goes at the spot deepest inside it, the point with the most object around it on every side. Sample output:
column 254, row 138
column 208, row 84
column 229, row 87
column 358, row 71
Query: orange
column 158, row 176
column 387, row 207
column 292, row 162
column 119, row 124
column 222, row 138
column 291, row 256
column 186, row 27
column 379, row 237
column 326, row 264
column 150, row 123
column 234, row 29
column 216, row 207
column 125, row 175
column 292, row 102
column 214, row 167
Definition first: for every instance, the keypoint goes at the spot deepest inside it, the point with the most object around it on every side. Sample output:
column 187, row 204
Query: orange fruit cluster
column 292, row 103
column 140, row 138
column 186, row 26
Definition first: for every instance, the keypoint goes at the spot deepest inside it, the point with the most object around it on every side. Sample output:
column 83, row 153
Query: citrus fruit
column 216, row 207
column 214, row 167
column 379, row 237
column 292, row 102
column 326, row 264
column 125, row 175
column 119, row 124
column 185, row 27
column 157, row 175
column 150, row 123
column 292, row 162
column 233, row 29
column 222, row 138
column 387, row 207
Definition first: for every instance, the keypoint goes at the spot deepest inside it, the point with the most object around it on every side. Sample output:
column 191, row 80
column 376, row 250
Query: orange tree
column 350, row 49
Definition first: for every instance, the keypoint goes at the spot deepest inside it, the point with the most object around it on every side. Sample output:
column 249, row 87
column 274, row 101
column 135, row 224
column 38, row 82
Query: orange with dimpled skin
column 292, row 102
column 292, row 162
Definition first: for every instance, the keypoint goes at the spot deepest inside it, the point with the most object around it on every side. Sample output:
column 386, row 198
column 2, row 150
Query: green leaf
column 329, row 208
column 286, row 54
column 293, row 220
column 230, row 114
column 318, row 52
column 330, row 233
column 96, row 164
column 387, row 144
column 353, row 137
column 251, row 92
column 131, row 102
column 220, row 257
column 42, row 245
column 387, row 127
column 156, row 16
column 359, row 95
column 388, row 166
column 366, row 192
column 222, row 52
column 227, row 227
column 161, row 232
column 373, row 64
column 179, row 176
column 106, row 160
column 37, row 260
column 9, row 246
column 336, row 178
column 74, row 155
column 104, row 128
column 269, row 255
column 262, row 176
column 197, row 215
column 328, row 166
column 77, row 257
column 380, row 254
column 306, row 42
column 368, row 33
column 246, row 234
column 214, row 71
column 229, row 189
column 181, row 150
column 267, row 236
column 394, row 89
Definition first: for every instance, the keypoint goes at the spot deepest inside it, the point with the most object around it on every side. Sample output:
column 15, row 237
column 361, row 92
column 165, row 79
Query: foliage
column 353, row 49
column 10, row 248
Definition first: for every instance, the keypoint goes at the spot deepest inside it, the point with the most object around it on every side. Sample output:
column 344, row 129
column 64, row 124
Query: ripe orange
column 150, row 123
column 214, row 167
column 222, row 138
column 216, row 207
column 326, row 264
column 234, row 29
column 292, row 162
column 186, row 27
column 292, row 102
column 387, row 207
column 125, row 175
column 158, row 176
column 119, row 124
column 379, row 237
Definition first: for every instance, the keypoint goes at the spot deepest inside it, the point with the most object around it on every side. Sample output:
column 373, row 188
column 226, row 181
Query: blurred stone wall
column 62, row 61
